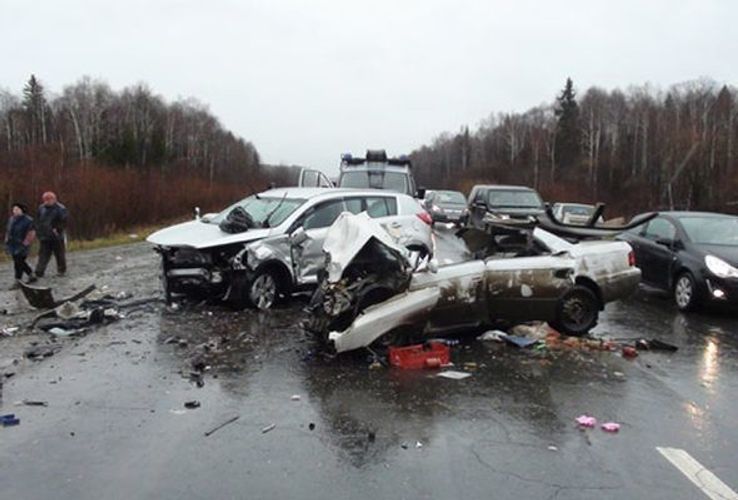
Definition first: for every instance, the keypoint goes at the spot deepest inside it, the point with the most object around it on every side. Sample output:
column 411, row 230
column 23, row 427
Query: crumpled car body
column 271, row 244
column 524, row 275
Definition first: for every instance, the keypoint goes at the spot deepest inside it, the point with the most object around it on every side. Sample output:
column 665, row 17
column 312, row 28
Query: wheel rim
column 263, row 291
column 577, row 311
column 683, row 292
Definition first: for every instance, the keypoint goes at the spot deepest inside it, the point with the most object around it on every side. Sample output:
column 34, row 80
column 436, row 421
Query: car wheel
column 685, row 292
column 577, row 311
column 263, row 290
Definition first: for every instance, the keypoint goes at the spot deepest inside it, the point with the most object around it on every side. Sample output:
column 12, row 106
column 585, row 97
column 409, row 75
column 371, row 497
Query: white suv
column 270, row 243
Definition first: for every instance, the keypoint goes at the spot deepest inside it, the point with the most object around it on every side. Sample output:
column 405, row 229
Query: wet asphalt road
column 115, row 425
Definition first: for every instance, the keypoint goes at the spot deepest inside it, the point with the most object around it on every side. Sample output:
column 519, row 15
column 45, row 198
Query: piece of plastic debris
column 178, row 412
column 413, row 357
column 268, row 428
column 454, row 375
column 552, row 448
column 403, row 446
column 586, row 421
column 191, row 405
column 619, row 374
column 629, row 352
column 655, row 345
column 10, row 330
column 492, row 336
column 295, row 397
column 610, row 427
column 28, row 402
column 9, row 420
column 519, row 341
column 375, row 365
column 220, row 426
column 311, row 426
column 418, row 444
column 61, row 332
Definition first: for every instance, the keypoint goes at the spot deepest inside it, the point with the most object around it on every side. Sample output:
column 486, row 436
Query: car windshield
column 577, row 210
column 711, row 230
column 276, row 208
column 450, row 197
column 514, row 199
column 375, row 179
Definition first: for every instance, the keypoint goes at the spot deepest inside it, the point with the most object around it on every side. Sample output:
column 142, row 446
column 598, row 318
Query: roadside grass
column 127, row 237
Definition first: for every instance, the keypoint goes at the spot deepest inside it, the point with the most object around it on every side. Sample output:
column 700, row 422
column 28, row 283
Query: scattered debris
column 413, row 357
column 552, row 448
column 217, row 428
column 191, row 405
column 518, row 341
column 311, row 426
column 492, row 336
column 454, row 375
column 9, row 331
column 9, row 419
column 629, row 352
column 39, row 352
column 610, row 427
column 586, row 421
column 29, row 402
column 295, row 397
column 655, row 345
column 42, row 297
column 418, row 444
column 268, row 428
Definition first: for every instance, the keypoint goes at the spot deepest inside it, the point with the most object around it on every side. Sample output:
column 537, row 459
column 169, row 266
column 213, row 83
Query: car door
column 657, row 254
column 527, row 287
column 309, row 258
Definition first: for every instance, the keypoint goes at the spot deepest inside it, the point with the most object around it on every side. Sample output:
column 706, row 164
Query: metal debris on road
column 217, row 428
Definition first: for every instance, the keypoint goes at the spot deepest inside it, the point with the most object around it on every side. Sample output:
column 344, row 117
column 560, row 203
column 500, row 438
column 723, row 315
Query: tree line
column 639, row 149
column 156, row 159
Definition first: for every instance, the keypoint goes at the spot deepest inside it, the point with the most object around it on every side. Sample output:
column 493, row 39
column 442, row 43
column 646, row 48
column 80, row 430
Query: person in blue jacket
column 18, row 238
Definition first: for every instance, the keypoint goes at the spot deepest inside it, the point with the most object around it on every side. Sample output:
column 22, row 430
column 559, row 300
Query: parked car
column 526, row 274
column 446, row 206
column 489, row 203
column 271, row 243
column 377, row 171
column 693, row 255
column 573, row 213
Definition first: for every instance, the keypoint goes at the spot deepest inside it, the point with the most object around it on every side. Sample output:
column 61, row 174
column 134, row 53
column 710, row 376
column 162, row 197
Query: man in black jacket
column 50, row 225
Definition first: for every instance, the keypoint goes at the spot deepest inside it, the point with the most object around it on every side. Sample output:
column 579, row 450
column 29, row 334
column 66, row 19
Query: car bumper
column 447, row 216
column 619, row 285
column 721, row 290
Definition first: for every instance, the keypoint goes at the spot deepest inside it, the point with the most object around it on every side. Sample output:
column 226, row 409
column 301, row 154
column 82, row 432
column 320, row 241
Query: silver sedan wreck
column 375, row 291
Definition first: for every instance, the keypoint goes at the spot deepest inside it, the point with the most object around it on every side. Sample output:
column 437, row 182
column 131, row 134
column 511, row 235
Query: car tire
column 262, row 290
column 577, row 311
column 685, row 292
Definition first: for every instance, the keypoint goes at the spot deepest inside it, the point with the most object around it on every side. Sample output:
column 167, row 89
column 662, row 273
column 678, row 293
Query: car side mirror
column 667, row 242
column 420, row 194
column 298, row 236
column 197, row 213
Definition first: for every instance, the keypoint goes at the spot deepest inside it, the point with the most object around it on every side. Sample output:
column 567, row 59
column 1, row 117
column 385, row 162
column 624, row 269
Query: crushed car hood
column 198, row 234
column 348, row 235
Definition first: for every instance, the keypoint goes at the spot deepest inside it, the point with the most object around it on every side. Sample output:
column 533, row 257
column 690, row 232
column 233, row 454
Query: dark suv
column 495, row 202
column 377, row 171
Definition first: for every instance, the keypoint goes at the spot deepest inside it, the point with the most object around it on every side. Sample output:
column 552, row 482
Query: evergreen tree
column 568, row 138
column 35, row 106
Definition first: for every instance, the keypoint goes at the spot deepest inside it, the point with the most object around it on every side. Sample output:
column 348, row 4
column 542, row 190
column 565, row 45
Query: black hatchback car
column 694, row 255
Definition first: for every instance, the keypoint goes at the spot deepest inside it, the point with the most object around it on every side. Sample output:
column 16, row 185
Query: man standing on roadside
column 50, row 225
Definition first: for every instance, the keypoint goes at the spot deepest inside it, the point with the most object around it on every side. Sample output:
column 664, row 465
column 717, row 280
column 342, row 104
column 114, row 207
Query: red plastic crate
column 414, row 357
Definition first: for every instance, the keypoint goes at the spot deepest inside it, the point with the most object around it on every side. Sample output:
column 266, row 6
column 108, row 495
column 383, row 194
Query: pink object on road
column 610, row 427
column 586, row 421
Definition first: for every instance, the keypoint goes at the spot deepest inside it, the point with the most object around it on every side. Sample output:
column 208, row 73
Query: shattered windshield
column 378, row 179
column 711, row 230
column 514, row 199
column 277, row 209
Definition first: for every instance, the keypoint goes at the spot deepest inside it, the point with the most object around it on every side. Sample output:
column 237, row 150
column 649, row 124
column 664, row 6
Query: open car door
column 313, row 178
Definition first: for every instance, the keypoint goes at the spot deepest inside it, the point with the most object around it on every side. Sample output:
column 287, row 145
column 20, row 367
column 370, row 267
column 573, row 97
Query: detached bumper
column 405, row 309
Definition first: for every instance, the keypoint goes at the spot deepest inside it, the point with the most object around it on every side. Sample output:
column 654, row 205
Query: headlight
column 720, row 268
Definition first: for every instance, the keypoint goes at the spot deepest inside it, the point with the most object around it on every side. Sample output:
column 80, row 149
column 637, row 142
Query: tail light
column 631, row 258
column 425, row 217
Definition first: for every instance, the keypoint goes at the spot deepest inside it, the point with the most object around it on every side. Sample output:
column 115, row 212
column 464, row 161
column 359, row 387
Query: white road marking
column 705, row 480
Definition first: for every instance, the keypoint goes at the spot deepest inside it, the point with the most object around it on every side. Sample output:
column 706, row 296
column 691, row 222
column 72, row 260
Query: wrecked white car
column 270, row 244
column 373, row 289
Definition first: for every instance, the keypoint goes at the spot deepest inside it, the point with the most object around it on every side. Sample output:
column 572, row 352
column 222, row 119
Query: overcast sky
column 305, row 81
